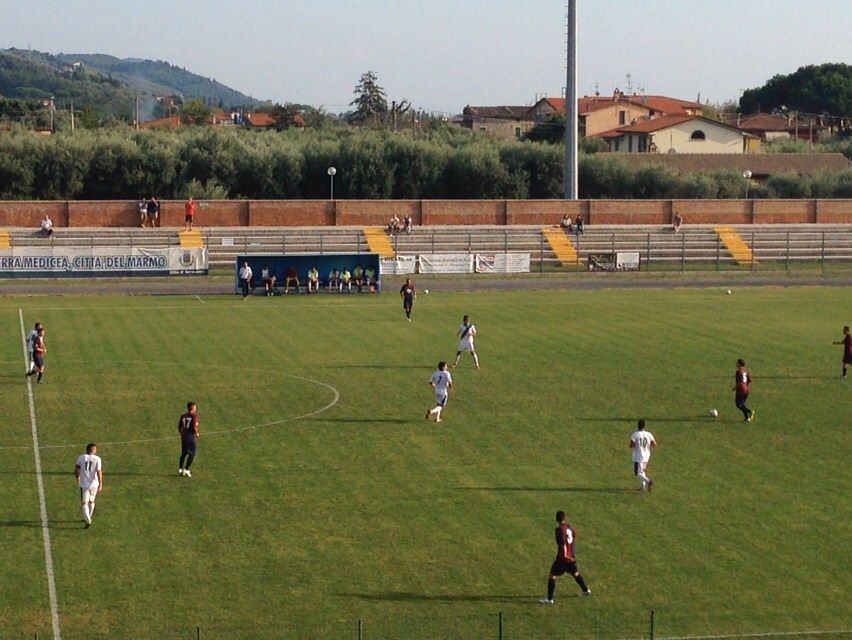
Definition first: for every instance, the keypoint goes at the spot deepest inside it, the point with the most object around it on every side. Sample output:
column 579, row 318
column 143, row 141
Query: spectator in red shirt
column 189, row 208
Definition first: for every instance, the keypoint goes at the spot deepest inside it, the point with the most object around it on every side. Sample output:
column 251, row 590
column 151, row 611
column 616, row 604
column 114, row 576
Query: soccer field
column 320, row 496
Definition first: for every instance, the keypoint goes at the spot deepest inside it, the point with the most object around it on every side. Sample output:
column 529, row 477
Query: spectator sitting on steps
column 46, row 226
column 393, row 225
column 578, row 226
column 406, row 224
column 565, row 224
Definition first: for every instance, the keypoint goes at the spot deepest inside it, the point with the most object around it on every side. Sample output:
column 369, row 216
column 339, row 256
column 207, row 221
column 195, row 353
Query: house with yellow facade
column 680, row 134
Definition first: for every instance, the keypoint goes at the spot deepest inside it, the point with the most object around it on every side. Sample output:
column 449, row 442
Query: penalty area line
column 42, row 502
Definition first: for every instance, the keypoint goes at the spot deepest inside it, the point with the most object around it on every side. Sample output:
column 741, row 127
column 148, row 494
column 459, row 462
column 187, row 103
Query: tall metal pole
column 570, row 174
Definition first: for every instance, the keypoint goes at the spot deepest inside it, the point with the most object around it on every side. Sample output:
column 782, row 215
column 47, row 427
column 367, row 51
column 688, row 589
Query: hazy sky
column 442, row 55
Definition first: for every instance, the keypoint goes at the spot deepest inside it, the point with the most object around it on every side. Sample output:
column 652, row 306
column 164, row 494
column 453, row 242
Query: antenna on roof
column 597, row 90
column 640, row 88
column 629, row 78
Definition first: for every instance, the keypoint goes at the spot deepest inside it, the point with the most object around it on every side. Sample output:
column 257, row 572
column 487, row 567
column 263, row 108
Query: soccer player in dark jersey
column 408, row 293
column 565, row 562
column 847, row 350
column 188, row 429
column 742, row 381
column 39, row 349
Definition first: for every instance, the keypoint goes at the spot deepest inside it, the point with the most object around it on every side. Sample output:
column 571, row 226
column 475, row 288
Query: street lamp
column 331, row 173
column 747, row 176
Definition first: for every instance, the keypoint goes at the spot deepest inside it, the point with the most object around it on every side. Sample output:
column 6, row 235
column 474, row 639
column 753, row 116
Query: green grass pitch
column 321, row 496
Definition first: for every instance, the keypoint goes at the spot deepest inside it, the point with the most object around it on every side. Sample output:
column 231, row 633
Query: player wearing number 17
column 642, row 441
column 188, row 429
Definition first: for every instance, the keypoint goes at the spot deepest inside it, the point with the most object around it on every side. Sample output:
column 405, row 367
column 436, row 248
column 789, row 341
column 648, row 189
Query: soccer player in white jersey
column 642, row 441
column 30, row 341
column 442, row 382
column 89, row 472
column 465, row 333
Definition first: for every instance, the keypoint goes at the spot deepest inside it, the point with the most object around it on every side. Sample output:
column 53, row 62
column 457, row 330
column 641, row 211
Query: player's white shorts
column 88, row 494
column 465, row 345
column 639, row 467
column 441, row 398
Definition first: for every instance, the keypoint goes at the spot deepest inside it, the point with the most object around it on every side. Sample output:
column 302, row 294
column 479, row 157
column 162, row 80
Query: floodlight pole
column 570, row 173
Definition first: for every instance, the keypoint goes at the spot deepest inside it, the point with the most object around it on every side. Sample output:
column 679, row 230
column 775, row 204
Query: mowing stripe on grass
column 765, row 634
column 42, row 503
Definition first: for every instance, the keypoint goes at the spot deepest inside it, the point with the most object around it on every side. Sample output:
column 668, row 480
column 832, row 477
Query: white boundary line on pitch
column 42, row 503
column 199, row 299
column 252, row 427
column 765, row 634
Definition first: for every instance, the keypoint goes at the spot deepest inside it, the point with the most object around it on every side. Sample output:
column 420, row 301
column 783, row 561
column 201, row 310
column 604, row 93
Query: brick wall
column 235, row 213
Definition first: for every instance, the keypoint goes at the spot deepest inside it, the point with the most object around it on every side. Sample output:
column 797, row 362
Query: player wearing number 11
column 90, row 478
column 642, row 441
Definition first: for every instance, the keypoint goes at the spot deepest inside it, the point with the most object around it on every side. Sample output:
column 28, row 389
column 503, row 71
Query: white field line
column 223, row 431
column 42, row 503
column 199, row 299
column 765, row 634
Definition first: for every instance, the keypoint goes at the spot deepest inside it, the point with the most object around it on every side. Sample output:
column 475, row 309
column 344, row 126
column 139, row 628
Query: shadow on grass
column 378, row 366
column 406, row 596
column 561, row 489
column 36, row 524
column 364, row 420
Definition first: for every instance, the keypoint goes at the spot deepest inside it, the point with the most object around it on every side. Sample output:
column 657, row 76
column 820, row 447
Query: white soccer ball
column 426, row 291
column 714, row 413
column 728, row 292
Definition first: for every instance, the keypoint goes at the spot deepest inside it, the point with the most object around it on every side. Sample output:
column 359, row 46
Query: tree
column 195, row 112
column 370, row 99
column 285, row 115
column 826, row 88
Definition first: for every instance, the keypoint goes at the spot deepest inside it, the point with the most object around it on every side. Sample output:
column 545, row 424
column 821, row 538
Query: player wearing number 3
column 642, row 441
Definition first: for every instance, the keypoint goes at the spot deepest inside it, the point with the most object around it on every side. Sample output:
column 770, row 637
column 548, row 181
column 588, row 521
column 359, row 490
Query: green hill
column 106, row 84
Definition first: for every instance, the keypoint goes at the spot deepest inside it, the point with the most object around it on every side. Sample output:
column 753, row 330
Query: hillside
column 106, row 84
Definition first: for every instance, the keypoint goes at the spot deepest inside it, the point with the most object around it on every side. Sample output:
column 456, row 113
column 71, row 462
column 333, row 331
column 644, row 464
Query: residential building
column 680, row 134
column 502, row 122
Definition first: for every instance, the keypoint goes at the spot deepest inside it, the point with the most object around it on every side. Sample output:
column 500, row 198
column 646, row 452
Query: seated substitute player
column 847, row 350
column 743, row 380
column 333, row 279
column 292, row 276
column 465, row 333
column 442, row 382
column 565, row 562
column 642, row 442
column 31, row 336
column 408, row 293
column 370, row 278
column 39, row 349
column 358, row 277
column 188, row 429
column 89, row 472
column 313, row 280
column 346, row 280
column 268, row 278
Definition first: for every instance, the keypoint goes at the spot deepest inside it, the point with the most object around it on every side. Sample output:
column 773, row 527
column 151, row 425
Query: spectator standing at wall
column 46, row 226
column 153, row 210
column 245, row 279
column 189, row 210
column 142, row 206
column 676, row 222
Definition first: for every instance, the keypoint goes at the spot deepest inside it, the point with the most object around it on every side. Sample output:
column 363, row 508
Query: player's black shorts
column 740, row 398
column 39, row 360
column 187, row 445
column 407, row 304
column 560, row 567
column 847, row 358
column 188, row 219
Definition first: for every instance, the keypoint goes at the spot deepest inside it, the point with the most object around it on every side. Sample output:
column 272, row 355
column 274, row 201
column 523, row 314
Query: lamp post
column 747, row 176
column 331, row 173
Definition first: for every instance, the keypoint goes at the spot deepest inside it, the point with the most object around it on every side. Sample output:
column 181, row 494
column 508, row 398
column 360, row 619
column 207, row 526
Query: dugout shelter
column 279, row 264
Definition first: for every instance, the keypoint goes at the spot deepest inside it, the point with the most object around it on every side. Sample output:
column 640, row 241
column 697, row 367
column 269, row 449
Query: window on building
column 698, row 134
column 622, row 117
column 517, row 132
column 483, row 128
column 629, row 144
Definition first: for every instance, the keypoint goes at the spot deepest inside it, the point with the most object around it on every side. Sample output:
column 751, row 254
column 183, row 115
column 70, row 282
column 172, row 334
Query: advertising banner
column 445, row 263
column 88, row 262
column 399, row 265
column 502, row 262
column 627, row 261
